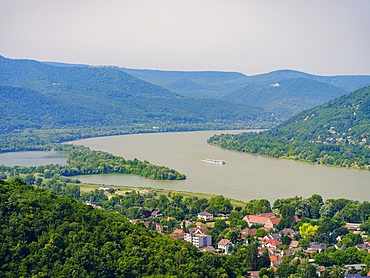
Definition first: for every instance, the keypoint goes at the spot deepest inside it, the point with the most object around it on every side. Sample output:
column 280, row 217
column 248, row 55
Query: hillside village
column 279, row 241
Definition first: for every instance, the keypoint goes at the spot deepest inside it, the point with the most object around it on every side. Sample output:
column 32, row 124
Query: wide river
column 243, row 177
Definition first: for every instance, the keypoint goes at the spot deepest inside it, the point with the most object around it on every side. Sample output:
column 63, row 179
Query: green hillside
column 45, row 235
column 336, row 133
column 286, row 97
column 114, row 98
column 24, row 109
column 192, row 83
column 296, row 92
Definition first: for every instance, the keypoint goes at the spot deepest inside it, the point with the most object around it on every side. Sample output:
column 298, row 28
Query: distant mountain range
column 55, row 95
column 285, row 92
column 38, row 94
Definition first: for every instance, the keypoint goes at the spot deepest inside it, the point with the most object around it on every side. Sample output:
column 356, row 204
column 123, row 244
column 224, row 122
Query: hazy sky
column 317, row 36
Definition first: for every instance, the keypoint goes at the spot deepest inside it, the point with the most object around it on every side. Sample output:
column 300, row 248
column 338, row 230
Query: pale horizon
column 321, row 38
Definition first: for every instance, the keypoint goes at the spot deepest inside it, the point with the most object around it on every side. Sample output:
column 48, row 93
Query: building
column 178, row 233
column 198, row 239
column 268, row 220
column 205, row 216
column 224, row 244
column 104, row 187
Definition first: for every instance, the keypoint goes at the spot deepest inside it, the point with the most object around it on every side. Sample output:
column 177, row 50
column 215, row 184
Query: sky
column 325, row 37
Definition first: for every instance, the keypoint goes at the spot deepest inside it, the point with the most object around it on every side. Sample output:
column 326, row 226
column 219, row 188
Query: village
column 279, row 238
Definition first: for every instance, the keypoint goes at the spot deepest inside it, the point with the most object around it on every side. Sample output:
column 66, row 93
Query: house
column 248, row 231
column 291, row 251
column 253, row 274
column 293, row 244
column 365, row 246
column 316, row 247
column 287, row 231
column 198, row 239
column 198, row 230
column 178, row 233
column 104, row 187
column 224, row 244
column 276, row 262
column 358, row 267
column 158, row 228
column 271, row 243
column 205, row 216
column 207, row 249
column 268, row 220
column 276, row 236
column 200, row 224
column 156, row 214
column 187, row 223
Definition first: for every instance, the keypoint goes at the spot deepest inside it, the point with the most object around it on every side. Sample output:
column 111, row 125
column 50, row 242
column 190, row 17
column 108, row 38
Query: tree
column 337, row 272
column 287, row 212
column 286, row 240
column 306, row 269
column 364, row 211
column 285, row 270
column 264, row 260
column 222, row 204
column 234, row 236
column 326, row 210
column 251, row 257
column 307, row 229
column 269, row 273
column 30, row 179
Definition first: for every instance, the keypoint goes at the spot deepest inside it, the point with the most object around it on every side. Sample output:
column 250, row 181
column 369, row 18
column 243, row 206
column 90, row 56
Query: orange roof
column 273, row 258
column 249, row 231
column 178, row 231
column 273, row 242
column 276, row 220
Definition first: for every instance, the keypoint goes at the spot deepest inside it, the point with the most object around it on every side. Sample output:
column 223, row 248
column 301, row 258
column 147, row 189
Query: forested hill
column 287, row 97
column 45, row 235
column 336, row 133
column 112, row 97
column 285, row 92
column 25, row 108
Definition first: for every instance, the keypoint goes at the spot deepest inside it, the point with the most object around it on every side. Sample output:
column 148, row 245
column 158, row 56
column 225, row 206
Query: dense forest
column 105, row 97
column 46, row 235
column 283, row 92
column 336, row 133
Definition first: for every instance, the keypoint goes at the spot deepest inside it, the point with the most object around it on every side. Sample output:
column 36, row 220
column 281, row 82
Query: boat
column 215, row 161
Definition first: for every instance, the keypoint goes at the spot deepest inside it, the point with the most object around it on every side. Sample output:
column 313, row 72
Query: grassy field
column 123, row 189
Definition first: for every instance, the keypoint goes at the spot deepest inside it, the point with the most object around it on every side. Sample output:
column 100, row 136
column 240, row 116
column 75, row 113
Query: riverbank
column 87, row 187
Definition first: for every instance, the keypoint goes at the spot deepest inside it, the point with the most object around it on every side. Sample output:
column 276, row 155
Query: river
column 33, row 158
column 243, row 177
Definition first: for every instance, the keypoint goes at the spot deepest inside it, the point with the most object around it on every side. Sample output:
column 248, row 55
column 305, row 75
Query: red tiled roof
column 276, row 220
column 273, row 242
column 248, row 231
column 178, row 231
column 273, row 257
